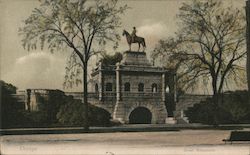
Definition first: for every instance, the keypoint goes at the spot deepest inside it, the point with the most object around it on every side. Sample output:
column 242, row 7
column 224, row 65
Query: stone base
column 135, row 58
column 118, row 120
column 123, row 110
column 170, row 120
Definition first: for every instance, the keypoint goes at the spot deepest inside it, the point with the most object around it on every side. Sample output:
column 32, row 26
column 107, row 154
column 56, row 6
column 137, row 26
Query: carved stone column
column 119, row 111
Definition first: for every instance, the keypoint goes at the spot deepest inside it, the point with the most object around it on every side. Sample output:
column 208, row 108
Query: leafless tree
column 209, row 45
column 74, row 25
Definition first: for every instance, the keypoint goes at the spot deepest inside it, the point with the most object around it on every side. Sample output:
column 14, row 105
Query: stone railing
column 79, row 95
column 93, row 95
column 109, row 94
column 186, row 101
column 20, row 98
column 112, row 95
column 140, row 95
column 143, row 68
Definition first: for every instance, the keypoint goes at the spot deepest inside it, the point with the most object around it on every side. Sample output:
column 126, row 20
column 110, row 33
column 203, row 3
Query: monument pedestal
column 135, row 59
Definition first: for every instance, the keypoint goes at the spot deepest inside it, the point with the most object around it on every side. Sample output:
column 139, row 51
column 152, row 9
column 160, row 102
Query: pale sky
column 154, row 19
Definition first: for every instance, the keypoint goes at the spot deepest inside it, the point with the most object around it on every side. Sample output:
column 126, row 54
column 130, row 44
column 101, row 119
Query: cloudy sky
column 154, row 19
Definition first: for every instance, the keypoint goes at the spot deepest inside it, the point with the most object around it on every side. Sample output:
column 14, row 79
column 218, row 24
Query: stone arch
column 141, row 87
column 148, row 106
column 154, row 88
column 140, row 115
column 96, row 88
column 127, row 87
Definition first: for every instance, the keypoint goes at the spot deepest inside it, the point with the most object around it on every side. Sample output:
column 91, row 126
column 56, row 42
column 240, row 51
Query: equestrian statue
column 133, row 38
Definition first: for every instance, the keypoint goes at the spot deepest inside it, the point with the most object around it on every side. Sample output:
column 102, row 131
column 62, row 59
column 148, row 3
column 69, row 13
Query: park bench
column 238, row 136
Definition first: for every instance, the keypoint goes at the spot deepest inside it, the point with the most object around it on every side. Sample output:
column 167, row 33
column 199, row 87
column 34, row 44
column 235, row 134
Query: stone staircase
column 186, row 101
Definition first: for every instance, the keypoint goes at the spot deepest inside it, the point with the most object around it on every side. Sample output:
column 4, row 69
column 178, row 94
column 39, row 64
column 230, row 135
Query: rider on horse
column 133, row 38
column 133, row 34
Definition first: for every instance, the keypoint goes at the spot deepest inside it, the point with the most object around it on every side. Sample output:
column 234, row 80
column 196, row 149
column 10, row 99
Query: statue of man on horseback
column 133, row 38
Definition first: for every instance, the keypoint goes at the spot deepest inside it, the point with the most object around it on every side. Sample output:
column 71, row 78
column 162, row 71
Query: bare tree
column 209, row 46
column 75, row 25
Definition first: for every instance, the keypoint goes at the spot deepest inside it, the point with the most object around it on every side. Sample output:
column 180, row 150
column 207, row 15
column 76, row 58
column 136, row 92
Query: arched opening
column 140, row 87
column 154, row 87
column 167, row 89
column 96, row 88
column 140, row 115
column 127, row 87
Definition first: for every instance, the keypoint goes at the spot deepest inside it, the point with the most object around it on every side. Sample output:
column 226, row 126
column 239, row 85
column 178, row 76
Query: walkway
column 199, row 142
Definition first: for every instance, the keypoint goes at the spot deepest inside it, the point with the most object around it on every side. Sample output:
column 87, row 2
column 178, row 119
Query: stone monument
column 133, row 90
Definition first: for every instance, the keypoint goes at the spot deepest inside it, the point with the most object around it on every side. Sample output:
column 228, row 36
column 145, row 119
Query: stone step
column 183, row 120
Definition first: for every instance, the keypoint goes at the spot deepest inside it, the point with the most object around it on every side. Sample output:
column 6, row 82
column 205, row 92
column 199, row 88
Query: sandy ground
column 184, row 142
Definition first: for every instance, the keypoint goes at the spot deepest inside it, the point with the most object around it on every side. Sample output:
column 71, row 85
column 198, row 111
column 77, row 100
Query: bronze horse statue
column 139, row 40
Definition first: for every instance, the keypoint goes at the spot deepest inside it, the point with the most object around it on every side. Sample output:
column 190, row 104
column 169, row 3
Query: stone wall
column 129, row 103
column 146, row 79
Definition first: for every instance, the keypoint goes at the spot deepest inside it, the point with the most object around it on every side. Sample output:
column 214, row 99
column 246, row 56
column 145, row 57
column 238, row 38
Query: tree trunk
column 215, row 101
column 215, row 106
column 248, row 47
column 85, row 96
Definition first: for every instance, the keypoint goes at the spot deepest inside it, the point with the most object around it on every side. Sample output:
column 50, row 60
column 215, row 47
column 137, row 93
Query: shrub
column 11, row 109
column 71, row 114
column 233, row 108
